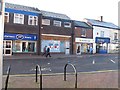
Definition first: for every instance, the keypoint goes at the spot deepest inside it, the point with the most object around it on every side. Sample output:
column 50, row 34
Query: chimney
column 100, row 18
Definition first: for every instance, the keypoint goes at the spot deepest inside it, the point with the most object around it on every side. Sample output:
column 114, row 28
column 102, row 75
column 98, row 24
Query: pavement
column 107, row 79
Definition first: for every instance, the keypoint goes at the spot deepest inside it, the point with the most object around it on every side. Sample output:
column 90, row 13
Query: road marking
column 93, row 62
column 43, row 69
column 48, row 63
column 116, row 57
column 112, row 61
column 53, row 74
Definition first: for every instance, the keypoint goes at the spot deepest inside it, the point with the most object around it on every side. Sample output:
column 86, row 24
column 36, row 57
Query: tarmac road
column 55, row 64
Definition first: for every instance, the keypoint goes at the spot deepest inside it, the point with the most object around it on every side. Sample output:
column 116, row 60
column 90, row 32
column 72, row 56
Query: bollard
column 75, row 73
column 40, row 72
column 7, row 79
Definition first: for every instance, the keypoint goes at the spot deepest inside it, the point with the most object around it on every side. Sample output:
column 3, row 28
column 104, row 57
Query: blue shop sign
column 8, row 36
column 102, row 40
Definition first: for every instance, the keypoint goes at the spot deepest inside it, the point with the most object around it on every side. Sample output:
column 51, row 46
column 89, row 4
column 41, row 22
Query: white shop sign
column 84, row 40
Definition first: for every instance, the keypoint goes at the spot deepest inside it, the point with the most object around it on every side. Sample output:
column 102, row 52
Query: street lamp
column 1, row 39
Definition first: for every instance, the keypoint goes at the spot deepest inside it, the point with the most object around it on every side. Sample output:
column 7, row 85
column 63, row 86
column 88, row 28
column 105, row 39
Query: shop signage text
column 8, row 36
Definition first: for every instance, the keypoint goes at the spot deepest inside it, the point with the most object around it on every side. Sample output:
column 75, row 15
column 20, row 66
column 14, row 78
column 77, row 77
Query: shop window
column 6, row 19
column 57, row 23
column 24, row 46
column 31, row 46
column 32, row 20
column 83, row 33
column 45, row 22
column 115, row 36
column 19, row 18
column 67, row 24
column 16, row 46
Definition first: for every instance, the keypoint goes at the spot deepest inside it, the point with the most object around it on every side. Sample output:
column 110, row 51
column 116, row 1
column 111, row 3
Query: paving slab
column 85, row 80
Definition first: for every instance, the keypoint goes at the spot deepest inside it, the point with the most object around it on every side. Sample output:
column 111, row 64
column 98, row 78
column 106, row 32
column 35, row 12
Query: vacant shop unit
column 56, row 32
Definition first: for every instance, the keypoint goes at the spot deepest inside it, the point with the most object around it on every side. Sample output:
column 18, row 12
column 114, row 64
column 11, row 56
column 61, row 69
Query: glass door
column 7, row 47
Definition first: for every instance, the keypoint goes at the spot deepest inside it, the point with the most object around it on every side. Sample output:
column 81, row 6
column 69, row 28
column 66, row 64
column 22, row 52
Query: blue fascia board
column 21, row 12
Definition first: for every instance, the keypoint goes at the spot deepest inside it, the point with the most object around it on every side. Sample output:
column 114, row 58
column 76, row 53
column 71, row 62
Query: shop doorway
column 78, row 49
column 7, row 47
column 102, row 48
column 67, row 47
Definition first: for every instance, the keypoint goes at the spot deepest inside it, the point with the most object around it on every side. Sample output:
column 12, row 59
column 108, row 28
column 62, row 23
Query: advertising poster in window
column 54, row 45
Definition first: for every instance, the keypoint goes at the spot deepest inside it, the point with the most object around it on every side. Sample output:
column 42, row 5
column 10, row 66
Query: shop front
column 83, row 45
column 102, row 45
column 57, row 43
column 19, row 43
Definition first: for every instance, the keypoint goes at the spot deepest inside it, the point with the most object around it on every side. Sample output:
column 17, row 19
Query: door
column 7, row 47
column 67, row 47
column 78, row 49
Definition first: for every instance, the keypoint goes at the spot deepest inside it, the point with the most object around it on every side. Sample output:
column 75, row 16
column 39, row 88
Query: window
column 19, row 18
column 57, row 23
column 33, row 20
column 6, row 19
column 24, row 46
column 83, row 32
column 102, row 34
column 67, row 24
column 45, row 22
column 115, row 36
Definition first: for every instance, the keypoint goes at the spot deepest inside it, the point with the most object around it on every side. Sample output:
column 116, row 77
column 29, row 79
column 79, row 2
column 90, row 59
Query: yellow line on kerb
column 54, row 74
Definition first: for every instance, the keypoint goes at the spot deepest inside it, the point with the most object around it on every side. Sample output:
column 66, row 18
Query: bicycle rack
column 74, row 70
column 7, row 79
column 40, row 72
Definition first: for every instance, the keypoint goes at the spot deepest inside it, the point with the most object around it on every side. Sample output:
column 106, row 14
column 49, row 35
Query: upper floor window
column 83, row 32
column 57, row 23
column 67, row 24
column 32, row 20
column 6, row 19
column 45, row 22
column 115, row 36
column 18, row 18
column 102, row 34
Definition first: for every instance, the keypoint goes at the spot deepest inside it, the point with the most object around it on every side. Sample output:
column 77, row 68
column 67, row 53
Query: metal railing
column 40, row 73
column 74, row 70
column 7, row 79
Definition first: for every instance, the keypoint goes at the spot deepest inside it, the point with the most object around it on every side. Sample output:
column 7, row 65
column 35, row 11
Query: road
column 86, row 63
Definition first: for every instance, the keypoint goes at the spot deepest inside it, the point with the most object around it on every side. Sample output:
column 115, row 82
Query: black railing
column 74, row 70
column 7, row 79
column 40, row 73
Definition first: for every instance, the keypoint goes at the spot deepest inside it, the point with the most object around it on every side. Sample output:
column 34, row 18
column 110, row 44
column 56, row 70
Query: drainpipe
column 72, row 38
column 39, row 35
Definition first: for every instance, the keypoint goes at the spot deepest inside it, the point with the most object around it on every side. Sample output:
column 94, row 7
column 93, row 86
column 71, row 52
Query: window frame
column 45, row 21
column 6, row 16
column 83, row 35
column 115, row 36
column 34, row 21
column 102, row 33
column 20, row 17
column 57, row 23
column 67, row 26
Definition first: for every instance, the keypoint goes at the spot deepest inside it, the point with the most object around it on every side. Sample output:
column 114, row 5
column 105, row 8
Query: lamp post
column 1, row 39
